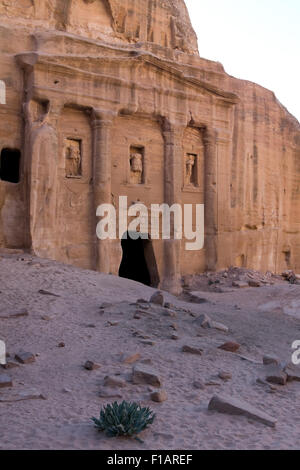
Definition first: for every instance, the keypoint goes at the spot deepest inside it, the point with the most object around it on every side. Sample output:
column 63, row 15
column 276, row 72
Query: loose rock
column 267, row 360
column 206, row 322
column 254, row 283
column 240, row 284
column 114, row 382
column 159, row 397
column 10, row 365
column 157, row 298
column 191, row 350
column 109, row 393
column 293, row 372
column 90, row 365
column 131, row 358
column 143, row 374
column 25, row 357
column 229, row 405
column 275, row 375
column 230, row 346
column 5, row 381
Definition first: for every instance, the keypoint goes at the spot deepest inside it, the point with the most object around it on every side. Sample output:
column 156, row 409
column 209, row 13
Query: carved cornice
column 66, row 64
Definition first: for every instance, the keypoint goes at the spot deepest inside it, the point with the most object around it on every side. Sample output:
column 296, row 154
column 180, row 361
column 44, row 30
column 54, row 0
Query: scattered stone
column 230, row 346
column 198, row 384
column 66, row 390
column 90, row 365
column 254, row 283
column 219, row 326
column 293, row 372
column 61, row 345
column 137, row 316
column 267, row 360
column 10, row 365
column 148, row 342
column 46, row 292
column 25, row 357
column 170, row 313
column 240, row 284
column 131, row 358
column 143, row 374
column 229, row 405
column 26, row 395
column 112, row 323
column 5, row 381
column 157, row 298
column 20, row 313
column 203, row 320
column 191, row 350
column 206, row 322
column 159, row 396
column 174, row 326
column 109, row 393
column 213, row 383
column 225, row 376
column 114, row 382
column 290, row 276
column 142, row 301
column 175, row 337
column 193, row 299
column 275, row 375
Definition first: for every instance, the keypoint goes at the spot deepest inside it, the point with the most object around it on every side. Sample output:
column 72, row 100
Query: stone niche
column 193, row 160
column 191, row 169
column 72, row 153
column 137, row 165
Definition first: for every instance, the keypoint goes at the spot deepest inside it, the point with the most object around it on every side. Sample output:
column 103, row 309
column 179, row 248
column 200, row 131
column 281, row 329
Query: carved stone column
column 102, row 123
column 173, row 138
column 211, row 198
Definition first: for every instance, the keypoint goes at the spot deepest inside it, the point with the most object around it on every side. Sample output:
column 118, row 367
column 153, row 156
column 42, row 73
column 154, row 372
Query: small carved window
column 137, row 165
column 191, row 170
column 10, row 165
column 73, row 158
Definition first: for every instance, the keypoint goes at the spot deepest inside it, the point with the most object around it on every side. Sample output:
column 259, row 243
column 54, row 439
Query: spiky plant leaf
column 124, row 419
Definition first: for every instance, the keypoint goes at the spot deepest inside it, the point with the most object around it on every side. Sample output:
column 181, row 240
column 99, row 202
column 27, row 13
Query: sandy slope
column 62, row 421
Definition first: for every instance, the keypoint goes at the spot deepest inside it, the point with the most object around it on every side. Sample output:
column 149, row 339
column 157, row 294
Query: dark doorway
column 10, row 165
column 138, row 262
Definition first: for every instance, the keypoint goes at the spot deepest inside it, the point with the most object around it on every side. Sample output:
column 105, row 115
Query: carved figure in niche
column 136, row 168
column 73, row 157
column 190, row 162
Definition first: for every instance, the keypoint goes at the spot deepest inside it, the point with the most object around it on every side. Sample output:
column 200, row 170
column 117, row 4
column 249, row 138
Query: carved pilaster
column 102, row 124
column 211, row 198
column 173, row 138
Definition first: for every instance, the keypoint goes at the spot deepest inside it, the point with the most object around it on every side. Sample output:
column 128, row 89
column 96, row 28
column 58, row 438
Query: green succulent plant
column 124, row 419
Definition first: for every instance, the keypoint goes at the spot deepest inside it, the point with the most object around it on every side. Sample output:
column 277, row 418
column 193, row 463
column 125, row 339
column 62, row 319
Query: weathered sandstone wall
column 122, row 77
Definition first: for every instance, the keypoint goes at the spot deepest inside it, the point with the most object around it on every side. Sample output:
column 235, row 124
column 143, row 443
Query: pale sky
column 256, row 40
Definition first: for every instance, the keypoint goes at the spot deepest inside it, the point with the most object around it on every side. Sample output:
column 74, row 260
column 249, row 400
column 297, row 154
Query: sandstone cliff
column 138, row 59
